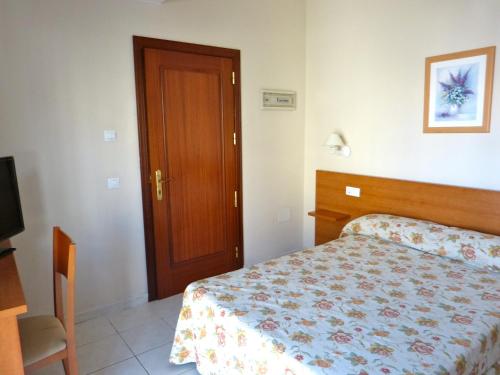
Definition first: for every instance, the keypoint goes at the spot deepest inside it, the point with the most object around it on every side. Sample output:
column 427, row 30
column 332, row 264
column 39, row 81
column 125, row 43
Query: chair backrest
column 64, row 257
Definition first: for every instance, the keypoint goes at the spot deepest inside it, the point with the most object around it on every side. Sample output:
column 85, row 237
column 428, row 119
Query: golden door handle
column 159, row 185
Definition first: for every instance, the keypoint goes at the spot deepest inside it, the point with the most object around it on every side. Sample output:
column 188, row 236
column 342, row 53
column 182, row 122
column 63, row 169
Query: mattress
column 356, row 305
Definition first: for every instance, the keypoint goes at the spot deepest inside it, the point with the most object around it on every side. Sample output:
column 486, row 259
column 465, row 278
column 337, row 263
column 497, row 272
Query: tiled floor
column 135, row 341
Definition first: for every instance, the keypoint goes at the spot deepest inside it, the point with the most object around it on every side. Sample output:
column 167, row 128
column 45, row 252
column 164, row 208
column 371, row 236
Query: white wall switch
column 283, row 215
column 353, row 191
column 109, row 135
column 113, row 183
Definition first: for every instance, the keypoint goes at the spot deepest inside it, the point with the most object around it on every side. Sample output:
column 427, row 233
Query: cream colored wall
column 365, row 79
column 67, row 74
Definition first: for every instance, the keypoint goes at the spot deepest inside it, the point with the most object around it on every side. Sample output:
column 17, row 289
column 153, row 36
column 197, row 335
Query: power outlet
column 353, row 191
column 283, row 215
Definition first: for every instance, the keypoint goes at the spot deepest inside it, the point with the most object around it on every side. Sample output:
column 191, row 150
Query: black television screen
column 11, row 216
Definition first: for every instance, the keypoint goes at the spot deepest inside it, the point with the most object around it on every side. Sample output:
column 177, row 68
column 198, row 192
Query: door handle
column 159, row 185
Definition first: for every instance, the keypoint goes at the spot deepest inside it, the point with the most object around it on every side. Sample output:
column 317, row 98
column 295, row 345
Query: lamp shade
column 334, row 140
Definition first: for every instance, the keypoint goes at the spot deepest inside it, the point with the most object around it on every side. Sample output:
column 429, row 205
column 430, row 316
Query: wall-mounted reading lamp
column 337, row 146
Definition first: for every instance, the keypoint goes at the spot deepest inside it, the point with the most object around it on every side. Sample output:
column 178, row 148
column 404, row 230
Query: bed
column 391, row 296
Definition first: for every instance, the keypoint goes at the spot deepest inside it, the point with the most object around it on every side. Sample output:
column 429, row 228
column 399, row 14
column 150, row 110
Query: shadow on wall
column 34, row 245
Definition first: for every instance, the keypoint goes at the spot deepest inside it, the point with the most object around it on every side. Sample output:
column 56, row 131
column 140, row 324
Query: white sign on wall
column 279, row 99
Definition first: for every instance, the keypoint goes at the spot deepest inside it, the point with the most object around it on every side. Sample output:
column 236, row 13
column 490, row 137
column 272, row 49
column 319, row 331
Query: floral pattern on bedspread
column 357, row 305
column 475, row 248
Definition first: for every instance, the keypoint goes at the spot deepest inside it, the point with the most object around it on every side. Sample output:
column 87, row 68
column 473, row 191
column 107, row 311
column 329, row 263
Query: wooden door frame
column 140, row 43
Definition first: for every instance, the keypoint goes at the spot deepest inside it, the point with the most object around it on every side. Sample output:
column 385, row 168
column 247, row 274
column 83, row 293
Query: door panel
column 191, row 122
column 195, row 163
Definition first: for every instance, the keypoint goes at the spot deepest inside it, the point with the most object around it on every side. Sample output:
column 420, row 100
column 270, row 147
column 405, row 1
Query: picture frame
column 458, row 91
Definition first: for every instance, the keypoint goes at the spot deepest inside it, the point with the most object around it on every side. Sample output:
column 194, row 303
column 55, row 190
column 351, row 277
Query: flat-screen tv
column 11, row 215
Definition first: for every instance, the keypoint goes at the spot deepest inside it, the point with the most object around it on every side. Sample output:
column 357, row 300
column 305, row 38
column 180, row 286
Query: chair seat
column 41, row 336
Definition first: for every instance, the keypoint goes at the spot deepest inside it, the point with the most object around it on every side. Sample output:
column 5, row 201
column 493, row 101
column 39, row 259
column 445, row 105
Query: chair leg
column 66, row 366
column 70, row 363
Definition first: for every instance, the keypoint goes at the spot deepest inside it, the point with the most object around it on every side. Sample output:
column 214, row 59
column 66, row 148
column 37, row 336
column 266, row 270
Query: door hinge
column 234, row 78
column 236, row 252
column 235, row 198
column 234, row 138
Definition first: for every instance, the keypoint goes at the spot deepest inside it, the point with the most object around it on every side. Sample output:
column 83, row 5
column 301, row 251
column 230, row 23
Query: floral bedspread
column 357, row 305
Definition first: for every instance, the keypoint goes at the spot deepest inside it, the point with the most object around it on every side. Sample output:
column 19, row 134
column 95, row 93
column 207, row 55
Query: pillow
column 475, row 248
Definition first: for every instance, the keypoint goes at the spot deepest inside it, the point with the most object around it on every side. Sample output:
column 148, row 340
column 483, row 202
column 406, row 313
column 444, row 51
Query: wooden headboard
column 476, row 209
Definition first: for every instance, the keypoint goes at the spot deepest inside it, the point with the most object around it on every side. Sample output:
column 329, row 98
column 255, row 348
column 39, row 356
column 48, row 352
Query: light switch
column 113, row 183
column 109, row 135
column 353, row 191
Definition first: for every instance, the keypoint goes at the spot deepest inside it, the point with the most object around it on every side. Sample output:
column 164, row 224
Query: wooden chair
column 46, row 338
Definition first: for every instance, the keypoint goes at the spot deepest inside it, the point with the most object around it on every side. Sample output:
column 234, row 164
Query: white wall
column 365, row 78
column 66, row 74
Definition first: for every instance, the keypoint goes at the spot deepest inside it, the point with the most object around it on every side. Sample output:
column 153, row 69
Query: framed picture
column 458, row 90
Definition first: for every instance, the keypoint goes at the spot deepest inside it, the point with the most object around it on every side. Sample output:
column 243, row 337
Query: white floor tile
column 156, row 362
column 93, row 330
column 132, row 317
column 172, row 318
column 148, row 329
column 148, row 336
column 166, row 304
column 169, row 313
column 168, row 309
column 129, row 367
column 102, row 353
column 191, row 372
column 53, row 369
column 176, row 299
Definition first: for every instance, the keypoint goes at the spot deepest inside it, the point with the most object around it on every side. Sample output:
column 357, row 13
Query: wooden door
column 189, row 117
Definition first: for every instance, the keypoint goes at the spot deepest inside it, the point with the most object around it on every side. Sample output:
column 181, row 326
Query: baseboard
column 109, row 309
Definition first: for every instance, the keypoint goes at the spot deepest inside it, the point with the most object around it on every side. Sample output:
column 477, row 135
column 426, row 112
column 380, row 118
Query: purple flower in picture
column 456, row 91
